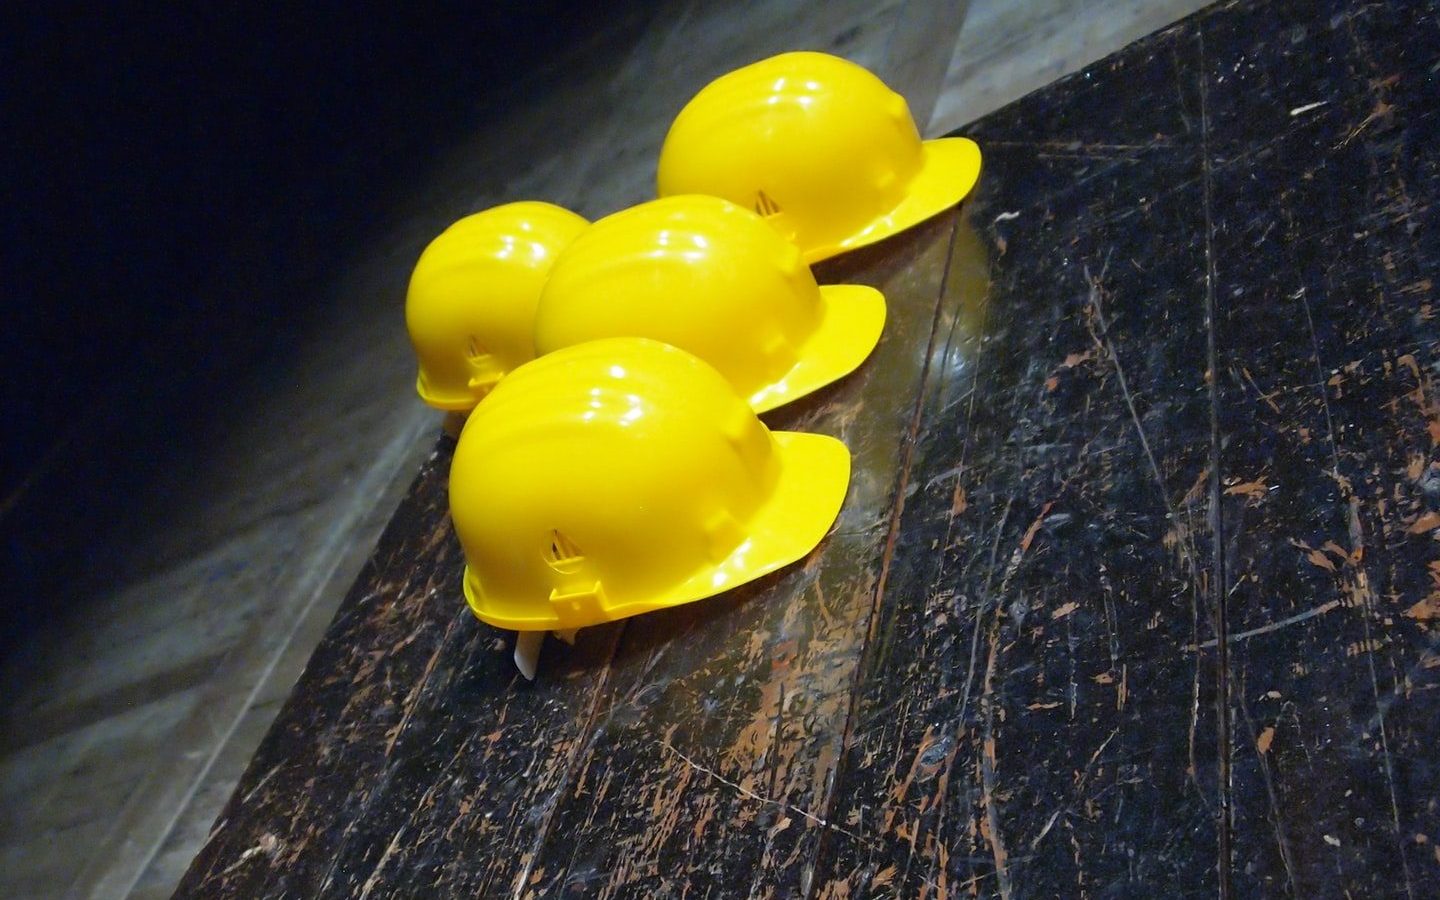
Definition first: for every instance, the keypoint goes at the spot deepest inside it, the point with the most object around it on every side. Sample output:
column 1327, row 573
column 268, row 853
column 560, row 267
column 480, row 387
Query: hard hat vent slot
column 475, row 349
column 563, row 556
column 766, row 206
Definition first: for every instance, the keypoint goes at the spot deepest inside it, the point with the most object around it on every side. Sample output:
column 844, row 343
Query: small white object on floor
column 527, row 652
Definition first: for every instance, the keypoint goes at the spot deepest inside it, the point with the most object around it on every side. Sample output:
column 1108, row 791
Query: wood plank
column 1027, row 724
column 1325, row 260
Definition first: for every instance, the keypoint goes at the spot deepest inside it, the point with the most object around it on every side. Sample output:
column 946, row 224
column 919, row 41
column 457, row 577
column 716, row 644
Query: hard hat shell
column 470, row 308
column 820, row 147
column 625, row 475
column 711, row 278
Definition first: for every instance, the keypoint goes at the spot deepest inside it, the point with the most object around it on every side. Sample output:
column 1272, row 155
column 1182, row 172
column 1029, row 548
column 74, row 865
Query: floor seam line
column 1217, row 533
column 892, row 538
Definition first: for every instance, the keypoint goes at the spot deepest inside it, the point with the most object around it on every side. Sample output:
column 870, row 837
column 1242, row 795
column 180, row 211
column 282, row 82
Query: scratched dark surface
column 1137, row 586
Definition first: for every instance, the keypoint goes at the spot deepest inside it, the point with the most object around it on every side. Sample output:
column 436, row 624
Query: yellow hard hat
column 709, row 277
column 471, row 304
column 625, row 475
column 820, row 147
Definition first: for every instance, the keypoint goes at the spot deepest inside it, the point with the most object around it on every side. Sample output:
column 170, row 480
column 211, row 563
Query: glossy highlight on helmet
column 820, row 148
column 470, row 308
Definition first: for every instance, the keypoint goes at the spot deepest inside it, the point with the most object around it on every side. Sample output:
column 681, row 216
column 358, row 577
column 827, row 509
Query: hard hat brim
column 813, row 481
column 950, row 169
column 849, row 329
column 443, row 402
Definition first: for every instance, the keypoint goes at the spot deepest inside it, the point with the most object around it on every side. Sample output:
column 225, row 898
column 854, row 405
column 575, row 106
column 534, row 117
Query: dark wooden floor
column 1137, row 587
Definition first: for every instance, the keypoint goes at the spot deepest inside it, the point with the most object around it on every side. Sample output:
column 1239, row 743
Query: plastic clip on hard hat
column 820, row 147
column 471, row 304
column 622, row 476
column 711, row 278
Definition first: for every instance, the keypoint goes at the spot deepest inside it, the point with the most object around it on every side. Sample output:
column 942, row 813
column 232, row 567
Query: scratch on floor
column 1239, row 636
column 390, row 849
column 746, row 792
column 1107, row 347
column 1277, row 819
column 269, row 845
column 261, row 783
column 1217, row 520
column 990, row 824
